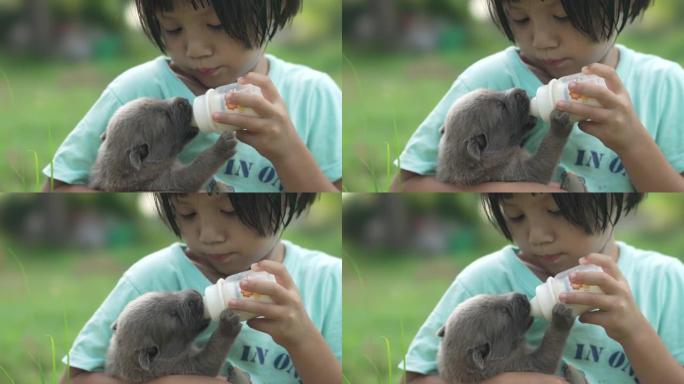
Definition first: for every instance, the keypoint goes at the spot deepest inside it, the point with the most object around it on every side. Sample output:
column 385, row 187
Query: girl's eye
column 173, row 31
column 217, row 27
column 521, row 21
column 554, row 213
column 186, row 216
column 516, row 218
column 228, row 213
column 561, row 18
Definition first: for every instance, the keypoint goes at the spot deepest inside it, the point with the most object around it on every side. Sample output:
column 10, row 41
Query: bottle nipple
column 534, row 107
column 535, row 308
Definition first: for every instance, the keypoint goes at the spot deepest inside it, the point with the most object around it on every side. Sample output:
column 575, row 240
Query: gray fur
column 154, row 334
column 482, row 136
column 140, row 148
column 484, row 336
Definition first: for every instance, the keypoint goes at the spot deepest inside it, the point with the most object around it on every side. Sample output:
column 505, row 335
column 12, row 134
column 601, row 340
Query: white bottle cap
column 542, row 304
column 217, row 296
column 201, row 112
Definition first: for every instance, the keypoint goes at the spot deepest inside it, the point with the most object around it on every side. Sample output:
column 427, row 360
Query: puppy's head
column 148, row 133
column 486, row 122
column 158, row 323
column 484, row 328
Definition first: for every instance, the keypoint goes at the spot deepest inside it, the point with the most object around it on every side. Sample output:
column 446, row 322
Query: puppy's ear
column 103, row 136
column 476, row 145
column 147, row 355
column 137, row 155
column 114, row 326
column 478, row 355
column 441, row 331
column 441, row 130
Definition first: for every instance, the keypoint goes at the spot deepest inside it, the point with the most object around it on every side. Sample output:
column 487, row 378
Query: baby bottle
column 215, row 101
column 547, row 293
column 217, row 296
column 557, row 89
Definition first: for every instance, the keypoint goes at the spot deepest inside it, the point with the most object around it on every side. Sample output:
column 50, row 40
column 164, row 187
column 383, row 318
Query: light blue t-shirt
column 318, row 277
column 656, row 281
column 655, row 85
column 314, row 104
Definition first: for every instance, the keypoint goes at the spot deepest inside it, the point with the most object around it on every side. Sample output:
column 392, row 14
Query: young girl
column 298, row 339
column 213, row 43
column 636, row 333
column 633, row 141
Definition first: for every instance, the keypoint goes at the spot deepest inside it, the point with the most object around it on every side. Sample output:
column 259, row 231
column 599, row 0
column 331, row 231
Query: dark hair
column 267, row 213
column 592, row 212
column 597, row 19
column 252, row 22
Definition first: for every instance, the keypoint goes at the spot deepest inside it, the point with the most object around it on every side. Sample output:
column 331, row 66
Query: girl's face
column 197, row 43
column 545, row 237
column 548, row 40
column 215, row 235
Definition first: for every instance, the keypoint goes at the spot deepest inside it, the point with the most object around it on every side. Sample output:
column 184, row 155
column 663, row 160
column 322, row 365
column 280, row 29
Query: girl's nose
column 196, row 48
column 209, row 234
column 544, row 37
column 540, row 233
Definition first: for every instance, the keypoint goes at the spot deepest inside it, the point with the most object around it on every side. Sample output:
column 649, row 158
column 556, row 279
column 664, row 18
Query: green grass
column 42, row 101
column 388, row 95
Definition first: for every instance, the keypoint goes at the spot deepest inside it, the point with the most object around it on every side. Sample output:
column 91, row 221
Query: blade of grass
column 7, row 374
column 54, row 363
column 389, row 359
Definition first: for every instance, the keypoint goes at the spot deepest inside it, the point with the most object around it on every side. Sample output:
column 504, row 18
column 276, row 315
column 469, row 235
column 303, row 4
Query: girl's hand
column 285, row 319
column 618, row 314
column 614, row 123
column 271, row 133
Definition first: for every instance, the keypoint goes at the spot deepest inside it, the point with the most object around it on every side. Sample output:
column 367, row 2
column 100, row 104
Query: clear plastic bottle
column 547, row 293
column 214, row 100
column 557, row 89
column 217, row 296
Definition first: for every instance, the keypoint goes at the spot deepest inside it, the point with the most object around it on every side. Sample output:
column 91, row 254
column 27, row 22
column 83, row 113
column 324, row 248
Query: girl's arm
column 504, row 378
column 619, row 315
column 289, row 325
column 54, row 185
column 79, row 376
column 271, row 133
column 408, row 181
column 618, row 127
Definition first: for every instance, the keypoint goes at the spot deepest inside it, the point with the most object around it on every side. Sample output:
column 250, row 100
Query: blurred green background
column 401, row 57
column 57, row 56
column 402, row 251
column 61, row 254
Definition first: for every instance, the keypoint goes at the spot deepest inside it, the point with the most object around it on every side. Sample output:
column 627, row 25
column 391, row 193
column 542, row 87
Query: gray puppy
column 154, row 334
column 140, row 147
column 484, row 336
column 482, row 136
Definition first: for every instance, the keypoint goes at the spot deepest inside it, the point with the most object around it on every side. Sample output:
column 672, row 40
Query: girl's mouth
column 551, row 258
column 220, row 257
column 208, row 71
column 554, row 63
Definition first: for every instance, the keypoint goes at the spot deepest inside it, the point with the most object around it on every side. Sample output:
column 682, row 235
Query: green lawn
column 42, row 101
column 47, row 295
column 387, row 95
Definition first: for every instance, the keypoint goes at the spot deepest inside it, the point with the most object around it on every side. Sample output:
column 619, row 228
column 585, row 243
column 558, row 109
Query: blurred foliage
column 389, row 293
column 47, row 293
column 42, row 99
column 388, row 94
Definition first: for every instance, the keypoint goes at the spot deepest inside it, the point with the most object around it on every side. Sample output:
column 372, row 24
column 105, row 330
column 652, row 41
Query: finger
column 609, row 75
column 251, row 123
column 584, row 111
column 607, row 283
column 276, row 269
column 605, row 262
column 264, row 287
column 603, row 95
column 260, row 105
column 592, row 317
column 259, row 308
column 264, row 82
column 590, row 299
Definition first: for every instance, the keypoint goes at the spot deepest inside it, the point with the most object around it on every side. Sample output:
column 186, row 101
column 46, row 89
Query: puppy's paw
column 562, row 316
column 560, row 122
column 226, row 143
column 229, row 323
